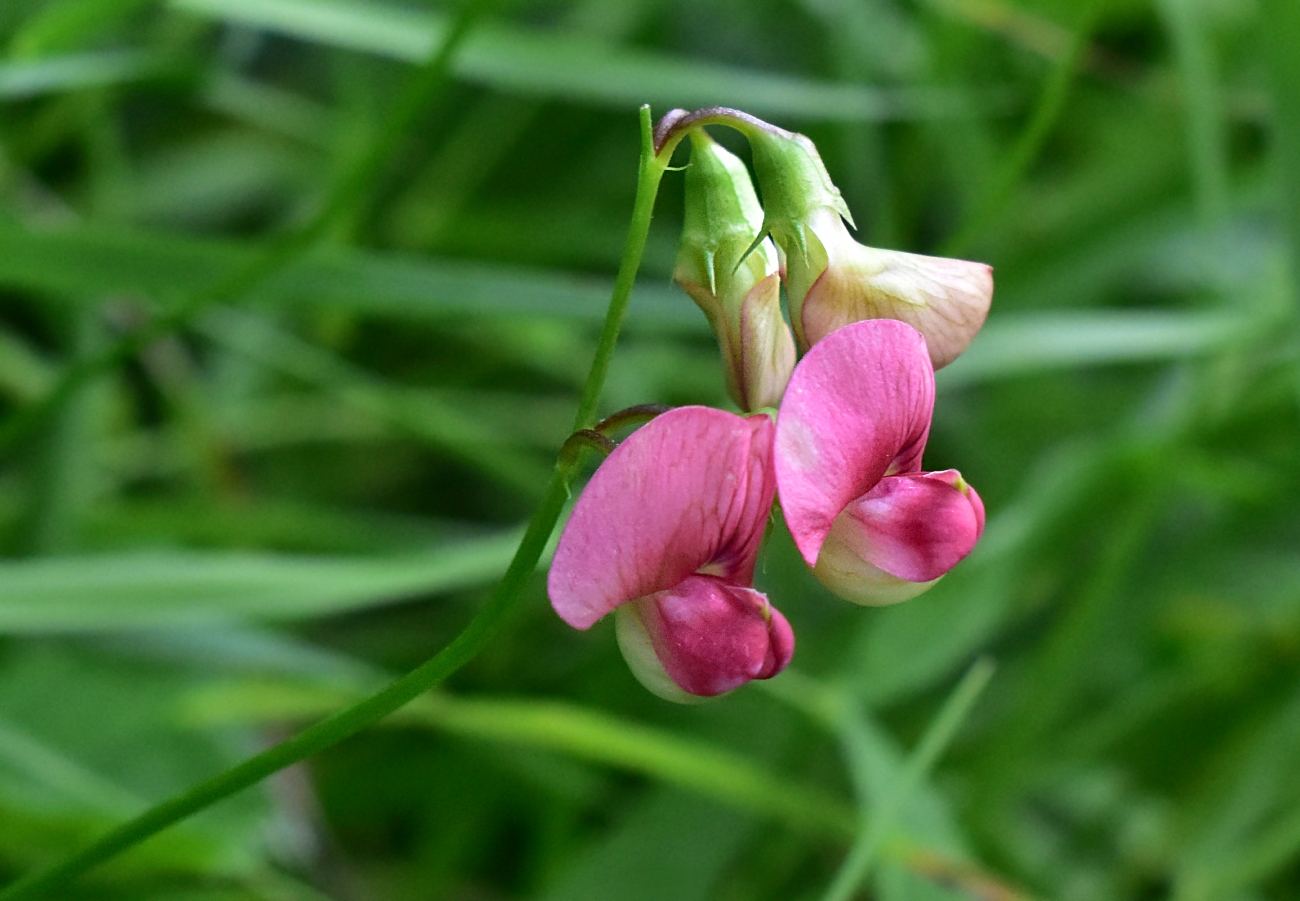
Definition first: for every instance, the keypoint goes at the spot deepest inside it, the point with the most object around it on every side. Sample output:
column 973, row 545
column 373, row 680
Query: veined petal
column 857, row 406
column 766, row 348
column 944, row 299
column 704, row 637
column 690, row 489
column 900, row 538
column 757, row 348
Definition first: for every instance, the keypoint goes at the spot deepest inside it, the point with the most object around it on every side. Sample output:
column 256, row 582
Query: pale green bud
column 732, row 275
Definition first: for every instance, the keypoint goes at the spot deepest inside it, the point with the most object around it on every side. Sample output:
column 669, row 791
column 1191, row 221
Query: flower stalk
column 486, row 624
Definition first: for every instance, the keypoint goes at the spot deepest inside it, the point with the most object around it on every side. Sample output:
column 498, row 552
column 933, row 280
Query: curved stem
column 677, row 124
column 584, row 439
column 485, row 625
column 653, row 166
column 641, row 413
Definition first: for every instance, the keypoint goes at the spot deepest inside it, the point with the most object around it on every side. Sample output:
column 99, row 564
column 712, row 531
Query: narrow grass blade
column 1206, row 127
column 47, row 767
column 465, row 437
column 114, row 592
column 29, row 78
column 1014, row 344
column 1279, row 25
column 568, row 729
column 575, row 68
column 88, row 261
column 880, row 820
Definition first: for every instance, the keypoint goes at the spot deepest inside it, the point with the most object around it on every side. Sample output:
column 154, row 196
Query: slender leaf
column 573, row 68
column 90, row 261
column 29, row 78
column 559, row 726
column 134, row 590
column 1011, row 345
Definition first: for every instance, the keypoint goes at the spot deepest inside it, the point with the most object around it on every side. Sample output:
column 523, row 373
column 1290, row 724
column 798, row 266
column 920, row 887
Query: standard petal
column 901, row 537
column 690, row 489
column 858, row 406
column 708, row 635
column 946, row 300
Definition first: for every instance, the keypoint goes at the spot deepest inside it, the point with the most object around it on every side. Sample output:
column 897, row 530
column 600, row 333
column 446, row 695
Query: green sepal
column 794, row 183
column 722, row 221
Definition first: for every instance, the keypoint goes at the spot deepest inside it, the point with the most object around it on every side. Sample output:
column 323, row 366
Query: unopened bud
column 832, row 280
column 733, row 276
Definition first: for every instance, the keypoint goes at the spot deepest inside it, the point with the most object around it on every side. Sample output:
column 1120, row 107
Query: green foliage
column 312, row 472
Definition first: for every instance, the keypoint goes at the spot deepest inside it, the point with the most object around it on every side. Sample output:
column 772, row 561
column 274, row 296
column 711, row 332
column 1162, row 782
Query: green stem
column 486, row 624
column 652, row 169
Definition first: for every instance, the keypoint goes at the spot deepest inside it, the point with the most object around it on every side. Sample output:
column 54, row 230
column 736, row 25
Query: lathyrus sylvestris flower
column 733, row 279
column 849, row 438
column 666, row 535
column 832, row 280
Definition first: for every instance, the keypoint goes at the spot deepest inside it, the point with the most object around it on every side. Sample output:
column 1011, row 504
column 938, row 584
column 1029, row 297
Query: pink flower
column 666, row 535
column 849, row 438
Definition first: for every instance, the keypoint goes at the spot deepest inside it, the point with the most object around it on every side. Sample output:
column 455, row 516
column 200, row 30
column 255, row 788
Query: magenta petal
column 857, row 406
column 780, row 644
column 712, row 635
column 953, row 478
column 914, row 527
column 690, row 489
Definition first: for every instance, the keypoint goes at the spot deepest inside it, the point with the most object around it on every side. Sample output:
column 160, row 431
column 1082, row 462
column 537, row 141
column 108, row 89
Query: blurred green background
column 281, row 380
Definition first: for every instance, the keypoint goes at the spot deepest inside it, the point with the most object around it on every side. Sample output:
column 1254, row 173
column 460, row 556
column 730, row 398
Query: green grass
column 369, row 309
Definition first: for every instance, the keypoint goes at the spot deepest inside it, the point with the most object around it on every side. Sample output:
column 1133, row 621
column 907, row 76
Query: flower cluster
column 667, row 533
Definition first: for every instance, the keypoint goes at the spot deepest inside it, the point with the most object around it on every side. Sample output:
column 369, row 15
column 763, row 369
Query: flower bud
column 832, row 280
column 732, row 276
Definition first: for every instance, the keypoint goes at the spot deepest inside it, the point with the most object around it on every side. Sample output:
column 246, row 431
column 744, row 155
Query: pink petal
column 690, row 489
column 857, row 406
column 915, row 527
column 711, row 635
column 900, row 538
column 953, row 478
